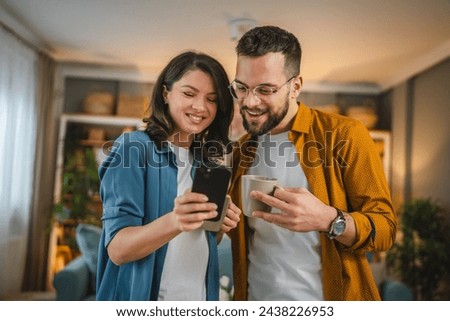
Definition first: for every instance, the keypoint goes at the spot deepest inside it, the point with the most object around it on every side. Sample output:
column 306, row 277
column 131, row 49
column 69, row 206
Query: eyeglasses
column 262, row 92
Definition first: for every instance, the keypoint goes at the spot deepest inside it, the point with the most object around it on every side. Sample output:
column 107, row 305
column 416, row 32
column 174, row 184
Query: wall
column 399, row 162
column 421, row 136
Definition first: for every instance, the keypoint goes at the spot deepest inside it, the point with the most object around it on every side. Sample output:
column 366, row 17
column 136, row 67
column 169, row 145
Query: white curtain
column 18, row 75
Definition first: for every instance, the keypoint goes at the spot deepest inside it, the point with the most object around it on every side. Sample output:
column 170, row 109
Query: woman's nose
column 199, row 105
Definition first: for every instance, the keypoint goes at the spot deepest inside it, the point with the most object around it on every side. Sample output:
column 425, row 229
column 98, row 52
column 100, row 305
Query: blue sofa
column 76, row 282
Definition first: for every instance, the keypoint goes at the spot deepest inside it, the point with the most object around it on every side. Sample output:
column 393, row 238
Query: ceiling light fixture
column 239, row 26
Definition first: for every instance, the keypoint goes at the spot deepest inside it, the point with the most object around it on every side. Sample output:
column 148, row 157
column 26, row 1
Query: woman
column 152, row 245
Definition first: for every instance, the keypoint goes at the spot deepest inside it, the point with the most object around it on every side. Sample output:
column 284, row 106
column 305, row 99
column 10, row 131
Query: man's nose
column 251, row 99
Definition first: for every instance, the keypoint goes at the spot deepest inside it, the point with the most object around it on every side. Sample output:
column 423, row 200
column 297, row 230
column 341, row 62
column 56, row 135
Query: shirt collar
column 165, row 148
column 302, row 120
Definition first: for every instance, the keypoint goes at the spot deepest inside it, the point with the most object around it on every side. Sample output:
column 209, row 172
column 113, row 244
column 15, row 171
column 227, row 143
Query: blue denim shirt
column 138, row 185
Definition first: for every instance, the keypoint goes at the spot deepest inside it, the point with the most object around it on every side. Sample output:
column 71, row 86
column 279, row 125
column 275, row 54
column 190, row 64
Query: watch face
column 339, row 227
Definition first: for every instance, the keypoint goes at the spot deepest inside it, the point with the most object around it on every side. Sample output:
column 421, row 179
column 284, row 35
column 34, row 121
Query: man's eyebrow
column 263, row 84
column 240, row 82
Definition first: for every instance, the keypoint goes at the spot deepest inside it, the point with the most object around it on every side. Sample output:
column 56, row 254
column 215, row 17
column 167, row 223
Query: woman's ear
column 165, row 94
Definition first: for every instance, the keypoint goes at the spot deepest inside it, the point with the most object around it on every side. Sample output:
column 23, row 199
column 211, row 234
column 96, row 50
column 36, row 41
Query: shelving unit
column 87, row 121
column 76, row 126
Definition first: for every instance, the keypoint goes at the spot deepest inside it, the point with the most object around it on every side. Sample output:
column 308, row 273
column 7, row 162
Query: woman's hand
column 231, row 219
column 135, row 242
column 190, row 210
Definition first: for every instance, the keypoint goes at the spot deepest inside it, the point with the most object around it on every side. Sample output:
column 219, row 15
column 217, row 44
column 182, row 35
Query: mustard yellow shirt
column 344, row 170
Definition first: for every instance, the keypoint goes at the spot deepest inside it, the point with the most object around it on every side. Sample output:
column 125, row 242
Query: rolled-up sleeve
column 122, row 186
column 367, row 192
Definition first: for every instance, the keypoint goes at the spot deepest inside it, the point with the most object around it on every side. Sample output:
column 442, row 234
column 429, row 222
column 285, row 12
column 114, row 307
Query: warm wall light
column 239, row 26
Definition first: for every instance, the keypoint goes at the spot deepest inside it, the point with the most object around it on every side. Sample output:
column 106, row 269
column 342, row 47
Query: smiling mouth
column 194, row 118
column 255, row 113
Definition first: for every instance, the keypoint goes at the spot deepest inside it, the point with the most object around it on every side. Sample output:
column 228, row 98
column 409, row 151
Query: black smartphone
column 213, row 181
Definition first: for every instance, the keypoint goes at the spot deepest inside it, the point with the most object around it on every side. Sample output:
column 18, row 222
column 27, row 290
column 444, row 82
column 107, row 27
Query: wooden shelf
column 101, row 120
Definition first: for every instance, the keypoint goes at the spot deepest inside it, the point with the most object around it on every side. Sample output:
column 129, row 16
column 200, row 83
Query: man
column 333, row 205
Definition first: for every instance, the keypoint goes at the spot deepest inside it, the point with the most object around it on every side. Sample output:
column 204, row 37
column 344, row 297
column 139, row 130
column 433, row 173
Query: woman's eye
column 188, row 94
column 212, row 100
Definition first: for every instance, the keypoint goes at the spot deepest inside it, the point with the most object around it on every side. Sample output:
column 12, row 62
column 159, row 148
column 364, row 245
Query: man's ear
column 298, row 83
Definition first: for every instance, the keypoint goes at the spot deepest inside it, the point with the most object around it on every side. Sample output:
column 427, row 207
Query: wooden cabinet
column 80, row 132
column 95, row 108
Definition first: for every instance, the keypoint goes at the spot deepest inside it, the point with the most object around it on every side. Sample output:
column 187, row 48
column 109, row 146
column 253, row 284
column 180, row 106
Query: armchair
column 76, row 282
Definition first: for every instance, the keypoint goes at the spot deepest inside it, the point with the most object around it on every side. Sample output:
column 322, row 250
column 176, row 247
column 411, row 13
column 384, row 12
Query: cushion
column 88, row 239
column 392, row 290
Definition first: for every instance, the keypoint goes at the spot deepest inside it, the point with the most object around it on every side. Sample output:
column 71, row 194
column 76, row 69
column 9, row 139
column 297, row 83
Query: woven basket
column 99, row 103
column 132, row 106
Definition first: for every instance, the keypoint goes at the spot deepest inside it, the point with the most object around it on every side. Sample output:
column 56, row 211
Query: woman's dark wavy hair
column 261, row 40
column 160, row 125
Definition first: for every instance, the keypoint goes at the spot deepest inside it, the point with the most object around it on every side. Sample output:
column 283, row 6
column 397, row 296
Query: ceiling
column 370, row 43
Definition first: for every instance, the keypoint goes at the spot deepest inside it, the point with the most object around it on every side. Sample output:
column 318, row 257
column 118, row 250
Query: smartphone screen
column 213, row 181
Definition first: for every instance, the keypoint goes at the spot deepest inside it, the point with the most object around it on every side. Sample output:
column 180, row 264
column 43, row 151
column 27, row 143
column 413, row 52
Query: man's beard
column 273, row 120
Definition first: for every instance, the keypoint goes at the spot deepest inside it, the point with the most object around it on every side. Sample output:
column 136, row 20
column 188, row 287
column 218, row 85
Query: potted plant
column 80, row 185
column 421, row 257
column 79, row 201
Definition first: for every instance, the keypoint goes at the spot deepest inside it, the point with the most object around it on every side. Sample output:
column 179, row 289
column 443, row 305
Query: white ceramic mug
column 255, row 183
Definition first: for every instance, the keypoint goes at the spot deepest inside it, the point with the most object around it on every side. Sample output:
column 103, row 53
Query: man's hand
column 300, row 210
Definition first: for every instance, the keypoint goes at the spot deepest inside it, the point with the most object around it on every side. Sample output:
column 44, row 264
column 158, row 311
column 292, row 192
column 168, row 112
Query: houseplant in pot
column 79, row 201
column 421, row 257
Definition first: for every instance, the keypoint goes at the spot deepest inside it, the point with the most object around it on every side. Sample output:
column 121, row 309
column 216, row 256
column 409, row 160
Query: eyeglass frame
column 273, row 90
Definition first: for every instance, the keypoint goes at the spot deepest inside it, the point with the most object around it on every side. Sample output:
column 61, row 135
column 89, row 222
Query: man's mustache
column 253, row 110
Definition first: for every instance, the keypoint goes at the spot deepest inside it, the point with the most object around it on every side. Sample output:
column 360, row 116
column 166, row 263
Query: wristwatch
column 337, row 227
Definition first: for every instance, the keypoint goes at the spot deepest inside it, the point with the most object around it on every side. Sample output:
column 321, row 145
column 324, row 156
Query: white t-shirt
column 283, row 265
column 185, row 265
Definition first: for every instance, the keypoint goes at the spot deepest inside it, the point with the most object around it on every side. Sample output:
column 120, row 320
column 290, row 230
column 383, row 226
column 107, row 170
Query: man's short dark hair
column 262, row 40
